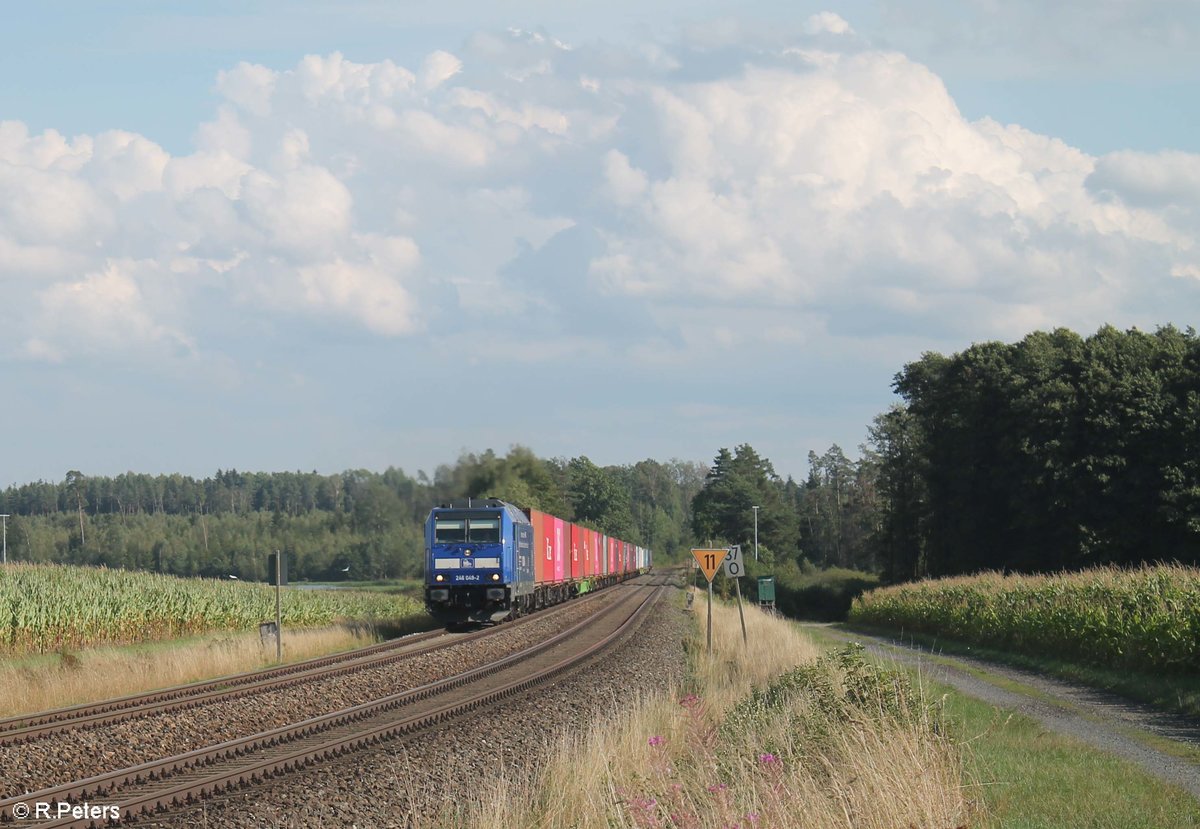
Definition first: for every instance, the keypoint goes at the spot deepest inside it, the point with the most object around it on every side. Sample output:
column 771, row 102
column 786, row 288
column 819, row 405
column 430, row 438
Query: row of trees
column 1053, row 452
column 357, row 524
column 362, row 524
column 830, row 520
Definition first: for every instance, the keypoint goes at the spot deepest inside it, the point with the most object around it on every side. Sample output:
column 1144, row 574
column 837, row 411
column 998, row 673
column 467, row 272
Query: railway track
column 180, row 781
column 27, row 728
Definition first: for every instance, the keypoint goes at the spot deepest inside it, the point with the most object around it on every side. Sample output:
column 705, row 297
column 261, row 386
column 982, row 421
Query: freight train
column 489, row 561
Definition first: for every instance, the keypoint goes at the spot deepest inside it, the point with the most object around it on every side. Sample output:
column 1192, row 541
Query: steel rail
column 156, row 772
column 26, row 728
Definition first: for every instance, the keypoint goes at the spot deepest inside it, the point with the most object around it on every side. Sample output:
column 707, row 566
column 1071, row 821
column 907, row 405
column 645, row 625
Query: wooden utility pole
column 278, row 610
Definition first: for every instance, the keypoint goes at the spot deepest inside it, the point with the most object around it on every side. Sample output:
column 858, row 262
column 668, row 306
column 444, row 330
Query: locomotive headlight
column 495, row 577
column 439, row 577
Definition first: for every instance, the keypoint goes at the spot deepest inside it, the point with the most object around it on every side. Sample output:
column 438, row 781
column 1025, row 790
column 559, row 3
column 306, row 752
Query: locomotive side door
column 522, row 558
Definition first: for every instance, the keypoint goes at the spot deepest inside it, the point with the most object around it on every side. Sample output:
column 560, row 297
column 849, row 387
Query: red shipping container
column 585, row 552
column 541, row 549
column 577, row 545
column 589, row 567
column 612, row 557
column 595, row 551
column 560, row 550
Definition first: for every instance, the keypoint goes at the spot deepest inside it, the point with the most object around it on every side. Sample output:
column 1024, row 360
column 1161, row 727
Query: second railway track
column 180, row 780
column 29, row 727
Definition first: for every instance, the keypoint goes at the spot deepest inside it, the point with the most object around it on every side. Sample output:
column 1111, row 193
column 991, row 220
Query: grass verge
column 770, row 735
column 1030, row 778
column 39, row 683
column 1177, row 693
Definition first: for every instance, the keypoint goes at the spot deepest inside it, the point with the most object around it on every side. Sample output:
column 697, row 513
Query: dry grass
column 42, row 683
column 749, row 748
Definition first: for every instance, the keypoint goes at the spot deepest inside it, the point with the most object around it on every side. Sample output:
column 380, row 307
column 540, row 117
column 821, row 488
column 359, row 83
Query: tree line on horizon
column 357, row 524
column 1056, row 452
column 367, row 525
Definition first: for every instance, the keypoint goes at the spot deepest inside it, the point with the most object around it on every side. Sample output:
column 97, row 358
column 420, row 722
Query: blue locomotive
column 488, row 561
column 478, row 561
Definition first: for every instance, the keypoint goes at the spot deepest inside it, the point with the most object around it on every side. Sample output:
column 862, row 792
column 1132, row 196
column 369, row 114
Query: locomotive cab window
column 449, row 530
column 484, row 530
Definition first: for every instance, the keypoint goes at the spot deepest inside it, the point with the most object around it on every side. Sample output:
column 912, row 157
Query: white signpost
column 729, row 560
column 734, row 569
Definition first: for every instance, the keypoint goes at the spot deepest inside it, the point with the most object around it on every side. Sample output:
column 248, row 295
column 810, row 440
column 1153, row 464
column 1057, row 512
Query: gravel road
column 1098, row 718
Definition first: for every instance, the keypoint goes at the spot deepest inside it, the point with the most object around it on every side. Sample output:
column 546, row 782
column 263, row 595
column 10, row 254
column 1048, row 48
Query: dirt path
column 1098, row 718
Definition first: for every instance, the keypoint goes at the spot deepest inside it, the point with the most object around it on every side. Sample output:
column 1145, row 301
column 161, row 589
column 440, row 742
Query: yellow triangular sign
column 710, row 560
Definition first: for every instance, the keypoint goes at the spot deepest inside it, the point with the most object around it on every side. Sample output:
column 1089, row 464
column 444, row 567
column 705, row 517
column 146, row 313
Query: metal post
column 278, row 614
column 737, row 583
column 710, row 618
column 4, row 518
column 755, row 532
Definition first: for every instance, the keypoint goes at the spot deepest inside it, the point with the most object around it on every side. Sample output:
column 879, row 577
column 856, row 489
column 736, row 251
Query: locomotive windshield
column 484, row 530
column 449, row 531
column 461, row 528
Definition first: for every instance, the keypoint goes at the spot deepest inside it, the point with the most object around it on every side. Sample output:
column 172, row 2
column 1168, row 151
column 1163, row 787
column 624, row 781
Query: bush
column 820, row 595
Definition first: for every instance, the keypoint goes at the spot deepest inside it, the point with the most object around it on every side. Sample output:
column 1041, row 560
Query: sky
column 337, row 235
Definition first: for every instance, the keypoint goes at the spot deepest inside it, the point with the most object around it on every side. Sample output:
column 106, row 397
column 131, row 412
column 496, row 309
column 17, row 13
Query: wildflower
column 718, row 787
column 690, row 701
column 657, row 740
column 752, row 817
column 768, row 759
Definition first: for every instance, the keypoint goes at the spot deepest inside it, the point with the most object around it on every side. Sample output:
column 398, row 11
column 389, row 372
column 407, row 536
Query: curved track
column 26, row 728
column 182, row 780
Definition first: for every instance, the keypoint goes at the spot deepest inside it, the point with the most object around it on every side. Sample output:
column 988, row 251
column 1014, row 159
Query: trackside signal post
column 277, row 573
column 709, row 560
column 734, row 570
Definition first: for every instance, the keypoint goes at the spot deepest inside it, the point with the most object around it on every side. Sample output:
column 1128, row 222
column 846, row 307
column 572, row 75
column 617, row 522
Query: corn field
column 1143, row 619
column 48, row 607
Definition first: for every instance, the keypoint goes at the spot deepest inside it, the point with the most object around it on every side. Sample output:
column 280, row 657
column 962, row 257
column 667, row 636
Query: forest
column 1055, row 452
column 356, row 525
column 360, row 524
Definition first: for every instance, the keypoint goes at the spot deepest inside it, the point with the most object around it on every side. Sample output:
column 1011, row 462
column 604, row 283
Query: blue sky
column 338, row 235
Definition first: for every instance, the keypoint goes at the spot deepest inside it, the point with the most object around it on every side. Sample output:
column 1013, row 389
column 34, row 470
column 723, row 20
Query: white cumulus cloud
column 657, row 186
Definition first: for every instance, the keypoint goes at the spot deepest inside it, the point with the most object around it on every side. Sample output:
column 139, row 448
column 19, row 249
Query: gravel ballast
column 403, row 783
column 82, row 753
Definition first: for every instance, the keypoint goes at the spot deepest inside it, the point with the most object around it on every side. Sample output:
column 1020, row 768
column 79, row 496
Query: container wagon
column 489, row 561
